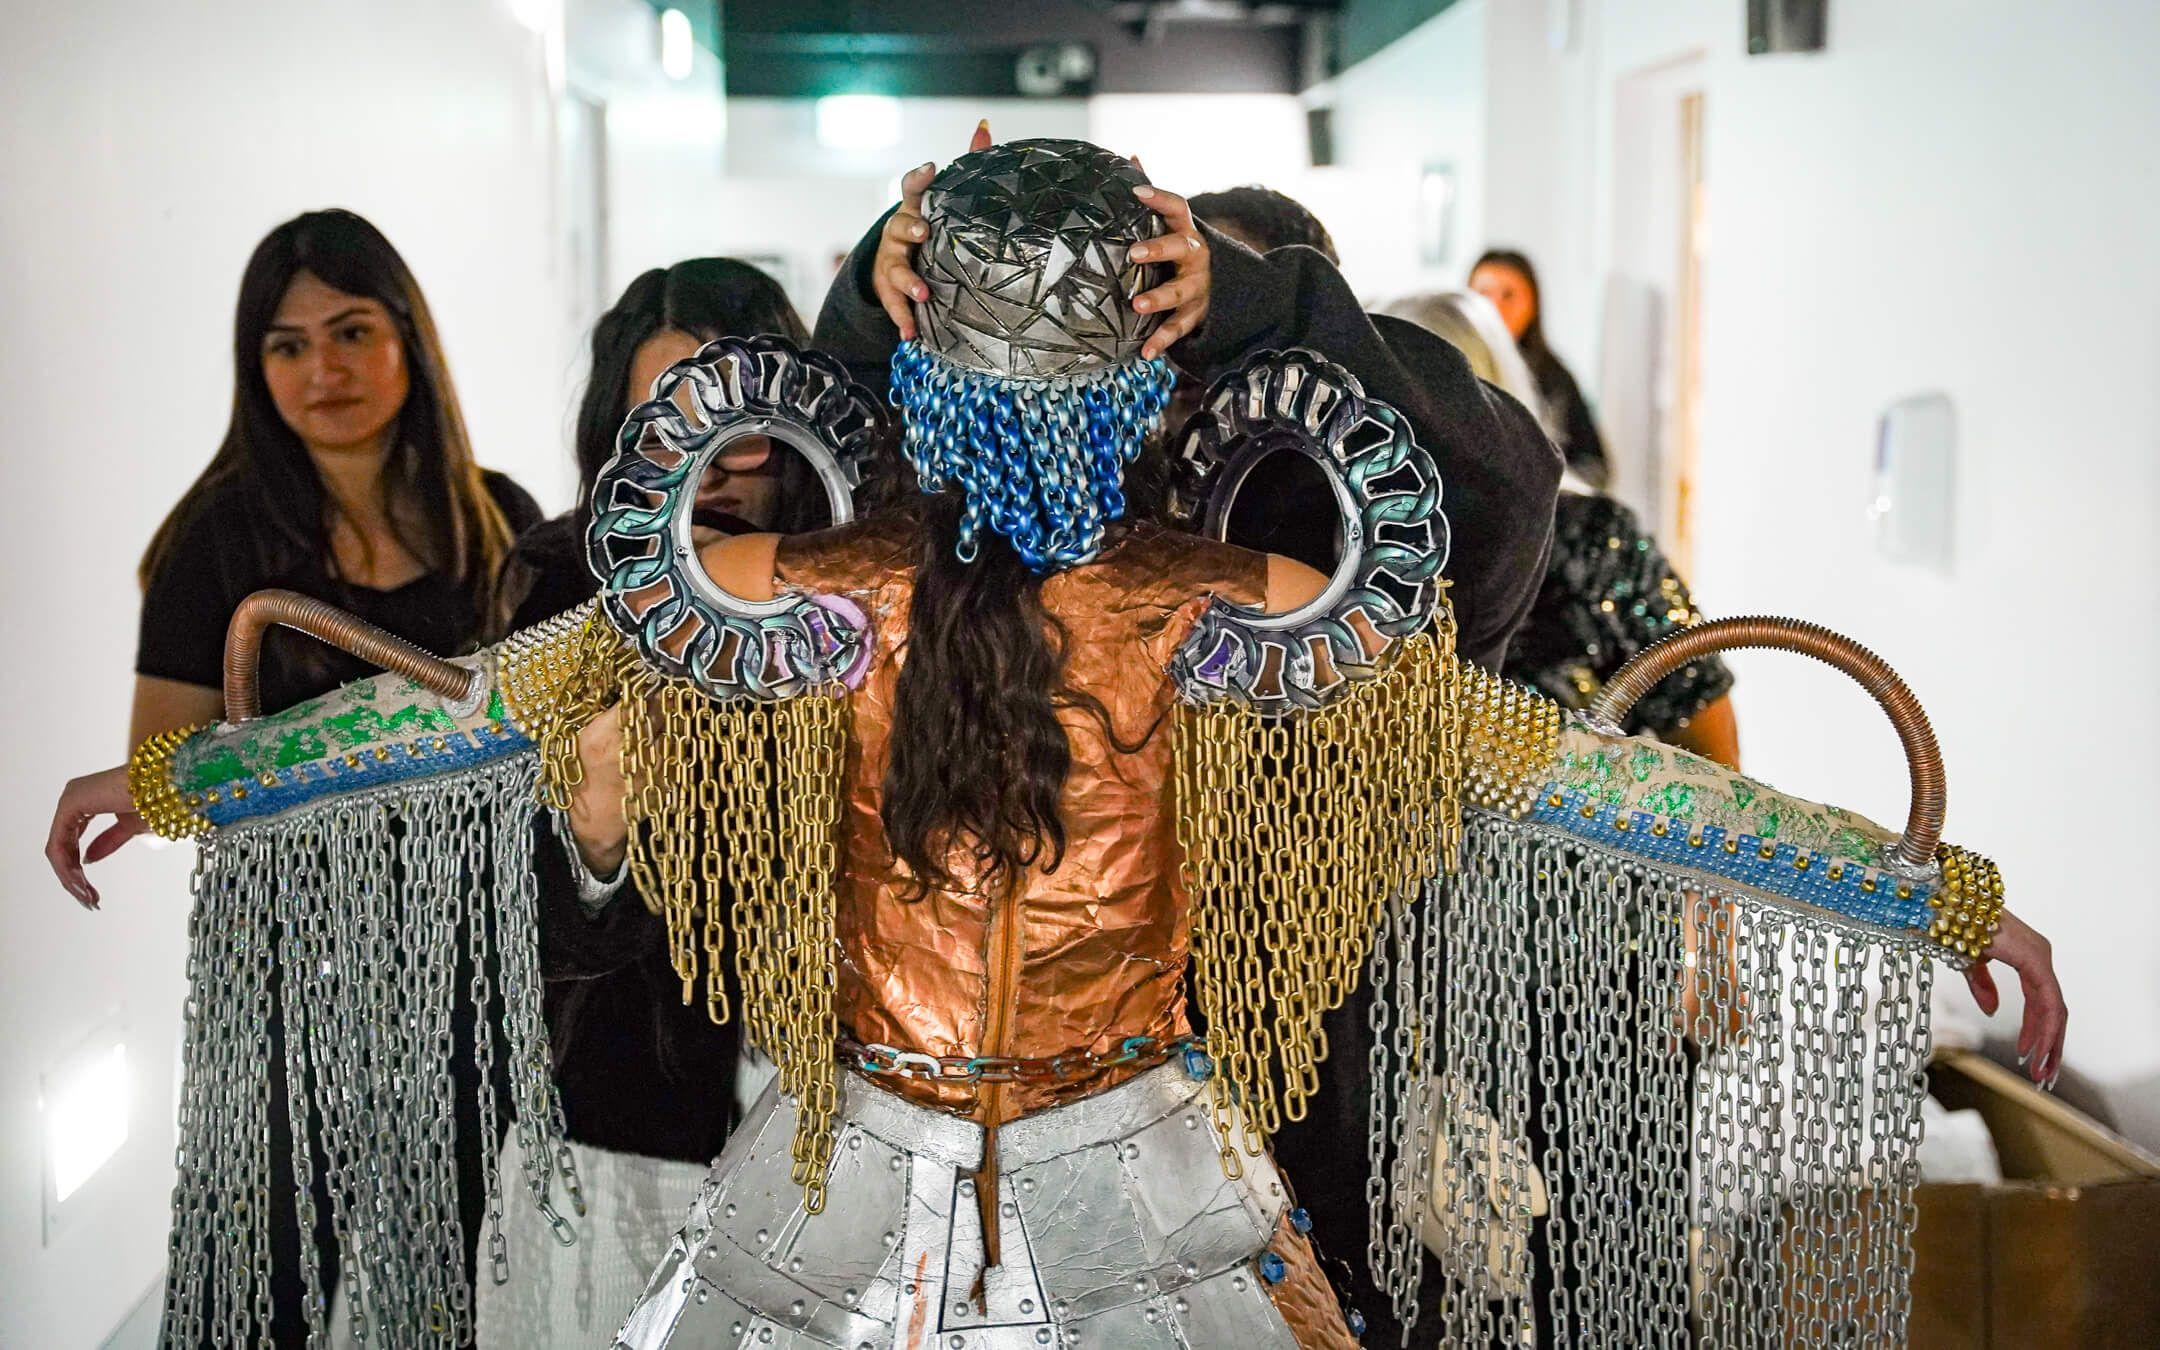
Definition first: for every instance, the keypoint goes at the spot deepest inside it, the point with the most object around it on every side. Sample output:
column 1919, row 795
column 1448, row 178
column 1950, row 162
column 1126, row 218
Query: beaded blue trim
column 1867, row 894
column 428, row 756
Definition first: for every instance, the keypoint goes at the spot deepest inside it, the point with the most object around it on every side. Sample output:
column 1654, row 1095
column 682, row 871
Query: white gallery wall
column 144, row 149
column 797, row 203
column 1959, row 197
column 1953, row 197
column 1418, row 104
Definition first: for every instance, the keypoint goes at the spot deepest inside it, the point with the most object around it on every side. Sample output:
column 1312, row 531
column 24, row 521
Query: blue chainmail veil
column 1026, row 392
column 1042, row 462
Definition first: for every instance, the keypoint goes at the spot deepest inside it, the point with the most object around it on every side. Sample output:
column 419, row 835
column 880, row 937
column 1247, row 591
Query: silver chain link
column 1719, row 1091
column 360, row 915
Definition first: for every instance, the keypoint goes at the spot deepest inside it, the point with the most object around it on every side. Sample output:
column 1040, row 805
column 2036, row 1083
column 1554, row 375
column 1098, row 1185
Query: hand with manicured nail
column 892, row 270
column 82, row 801
column 2040, row 1036
column 1183, row 299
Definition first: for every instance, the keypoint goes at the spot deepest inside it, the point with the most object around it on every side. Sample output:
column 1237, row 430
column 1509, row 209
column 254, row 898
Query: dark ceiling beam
column 1264, row 12
column 970, row 48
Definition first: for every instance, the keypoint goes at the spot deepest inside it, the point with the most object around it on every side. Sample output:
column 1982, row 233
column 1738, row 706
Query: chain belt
column 1146, row 1051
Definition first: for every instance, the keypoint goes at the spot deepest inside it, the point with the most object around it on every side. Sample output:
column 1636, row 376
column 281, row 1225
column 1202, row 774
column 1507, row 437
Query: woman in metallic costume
column 961, row 791
column 1008, row 907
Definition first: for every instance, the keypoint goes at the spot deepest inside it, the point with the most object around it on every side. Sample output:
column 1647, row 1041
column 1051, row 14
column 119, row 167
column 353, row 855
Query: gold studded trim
column 557, row 676
column 1511, row 742
column 1969, row 904
column 534, row 663
column 157, row 801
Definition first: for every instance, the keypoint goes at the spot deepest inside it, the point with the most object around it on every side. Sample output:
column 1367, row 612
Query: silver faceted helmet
column 1026, row 260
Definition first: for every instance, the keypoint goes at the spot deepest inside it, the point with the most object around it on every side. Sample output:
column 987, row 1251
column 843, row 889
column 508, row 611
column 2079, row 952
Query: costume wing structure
column 367, row 871
column 1648, row 1035
column 366, row 881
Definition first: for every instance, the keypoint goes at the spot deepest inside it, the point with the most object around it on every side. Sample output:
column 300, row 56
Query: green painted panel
column 1366, row 26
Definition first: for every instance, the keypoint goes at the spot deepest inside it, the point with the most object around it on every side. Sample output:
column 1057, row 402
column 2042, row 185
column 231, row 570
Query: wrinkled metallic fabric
column 1100, row 952
column 896, row 1257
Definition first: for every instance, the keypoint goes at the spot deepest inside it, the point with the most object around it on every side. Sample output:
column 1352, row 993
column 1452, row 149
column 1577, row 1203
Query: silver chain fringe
column 1739, row 1178
column 378, row 923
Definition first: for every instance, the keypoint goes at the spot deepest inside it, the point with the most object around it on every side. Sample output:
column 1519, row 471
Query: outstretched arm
column 1636, row 795
column 744, row 566
column 2046, row 1022
column 82, row 801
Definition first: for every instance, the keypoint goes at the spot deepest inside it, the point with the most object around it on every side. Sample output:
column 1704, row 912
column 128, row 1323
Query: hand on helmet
column 1182, row 300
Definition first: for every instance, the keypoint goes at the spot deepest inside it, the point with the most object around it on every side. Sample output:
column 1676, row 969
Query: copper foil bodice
column 1079, row 958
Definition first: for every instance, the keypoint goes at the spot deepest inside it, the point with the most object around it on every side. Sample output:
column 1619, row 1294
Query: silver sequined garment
column 1118, row 1229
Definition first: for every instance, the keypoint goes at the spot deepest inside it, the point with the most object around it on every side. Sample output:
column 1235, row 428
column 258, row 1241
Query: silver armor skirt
column 1117, row 1228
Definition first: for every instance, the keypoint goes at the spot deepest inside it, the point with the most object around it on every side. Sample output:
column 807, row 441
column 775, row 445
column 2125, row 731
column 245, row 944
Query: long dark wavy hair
column 707, row 298
column 461, row 532
column 978, row 759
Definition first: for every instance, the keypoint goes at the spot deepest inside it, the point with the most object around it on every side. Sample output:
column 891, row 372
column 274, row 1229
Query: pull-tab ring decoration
column 655, row 590
column 1391, row 537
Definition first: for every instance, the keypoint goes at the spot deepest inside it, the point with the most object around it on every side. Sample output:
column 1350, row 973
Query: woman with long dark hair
column 1007, row 872
column 663, row 316
column 649, row 1083
column 345, row 474
column 1505, row 277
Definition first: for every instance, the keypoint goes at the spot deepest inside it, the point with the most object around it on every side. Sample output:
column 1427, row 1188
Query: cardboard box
column 2064, row 1252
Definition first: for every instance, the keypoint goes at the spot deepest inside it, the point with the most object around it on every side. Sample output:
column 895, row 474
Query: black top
column 1499, row 476
column 1498, row 472
column 214, row 565
column 1579, row 439
column 1608, row 594
column 639, row 1071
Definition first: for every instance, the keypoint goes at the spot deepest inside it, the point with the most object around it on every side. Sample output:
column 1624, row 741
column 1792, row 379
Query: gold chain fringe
column 556, row 677
column 1297, row 832
column 733, row 810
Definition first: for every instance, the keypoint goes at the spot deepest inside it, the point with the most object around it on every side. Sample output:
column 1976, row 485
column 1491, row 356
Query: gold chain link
column 1297, row 832
column 733, row 811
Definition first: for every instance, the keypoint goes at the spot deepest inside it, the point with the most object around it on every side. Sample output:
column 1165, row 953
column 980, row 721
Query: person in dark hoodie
column 1500, row 476
column 1500, row 473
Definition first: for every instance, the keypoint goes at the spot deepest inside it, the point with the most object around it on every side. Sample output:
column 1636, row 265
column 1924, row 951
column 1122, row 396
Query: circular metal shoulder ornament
column 655, row 590
column 1391, row 539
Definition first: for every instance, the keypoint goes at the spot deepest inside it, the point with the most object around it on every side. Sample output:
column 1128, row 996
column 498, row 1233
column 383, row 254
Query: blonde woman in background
column 1608, row 591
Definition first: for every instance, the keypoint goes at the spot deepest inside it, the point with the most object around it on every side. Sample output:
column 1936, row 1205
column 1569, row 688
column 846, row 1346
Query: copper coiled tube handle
column 264, row 609
column 1923, row 758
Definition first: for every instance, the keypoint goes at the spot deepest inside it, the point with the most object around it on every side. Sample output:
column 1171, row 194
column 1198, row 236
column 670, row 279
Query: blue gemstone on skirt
column 1300, row 1220
column 1356, row 1320
column 1273, row 1268
column 1197, row 1064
